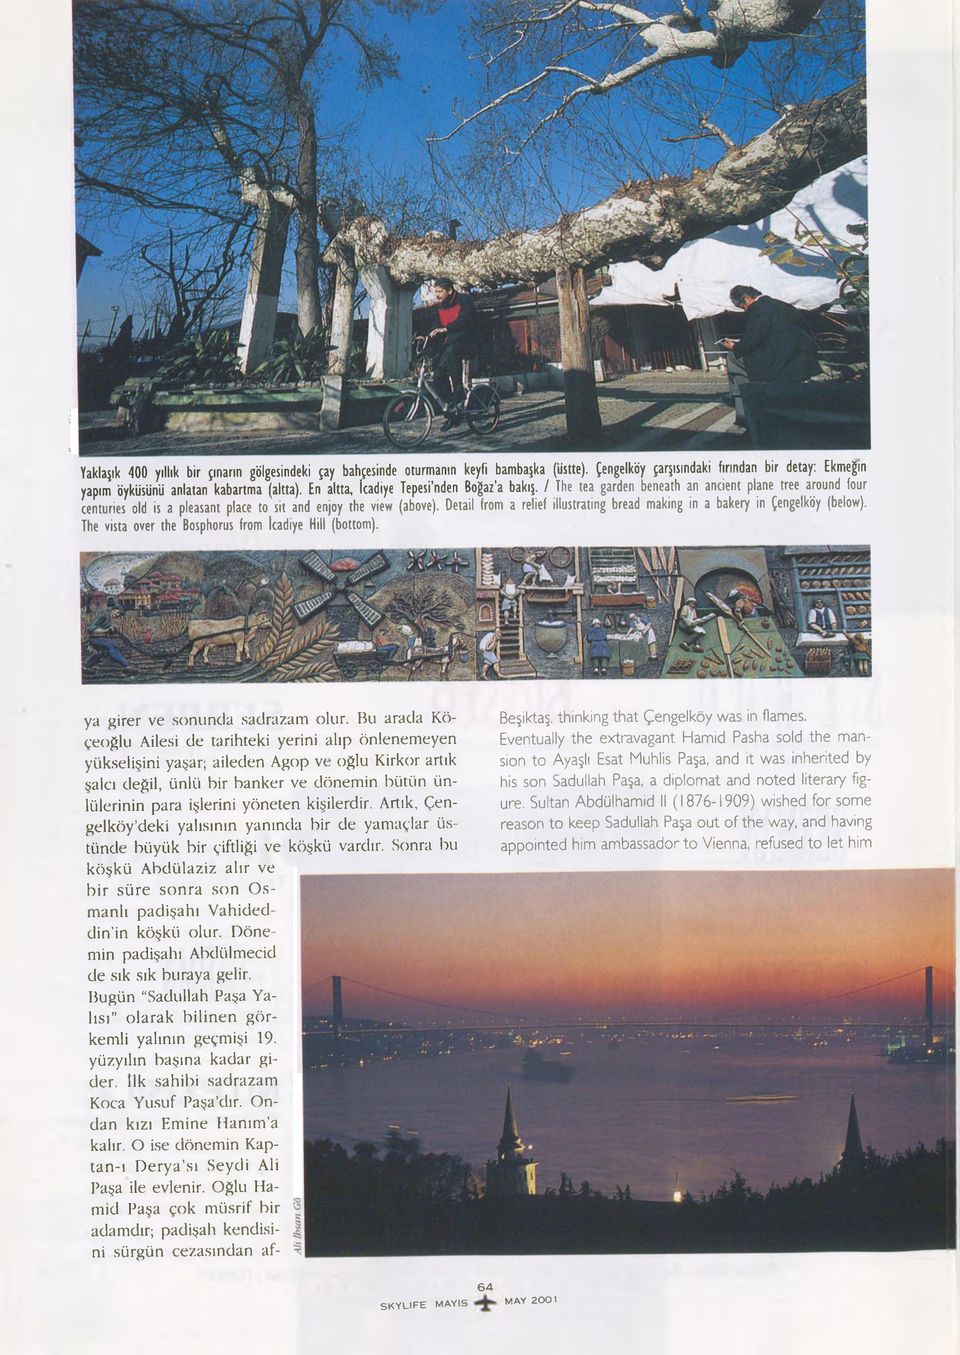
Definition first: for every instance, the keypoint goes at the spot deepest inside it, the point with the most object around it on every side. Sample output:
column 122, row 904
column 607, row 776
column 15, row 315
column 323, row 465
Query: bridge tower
column 511, row 1174
column 928, row 1005
column 337, row 1019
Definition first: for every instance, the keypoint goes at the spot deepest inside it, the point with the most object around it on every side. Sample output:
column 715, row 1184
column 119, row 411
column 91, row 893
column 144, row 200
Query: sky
column 389, row 126
column 664, row 944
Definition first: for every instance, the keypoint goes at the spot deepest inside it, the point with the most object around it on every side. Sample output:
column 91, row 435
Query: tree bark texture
column 341, row 326
column 259, row 318
column 579, row 382
column 307, row 252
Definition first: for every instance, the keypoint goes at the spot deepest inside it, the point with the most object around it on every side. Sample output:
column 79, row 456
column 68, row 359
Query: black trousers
column 448, row 373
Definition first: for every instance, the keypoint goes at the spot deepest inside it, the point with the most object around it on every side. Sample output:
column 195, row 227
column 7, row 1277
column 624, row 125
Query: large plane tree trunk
column 307, row 252
column 341, row 323
column 293, row 64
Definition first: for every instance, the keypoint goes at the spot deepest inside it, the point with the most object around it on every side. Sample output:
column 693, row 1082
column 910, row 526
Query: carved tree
column 424, row 602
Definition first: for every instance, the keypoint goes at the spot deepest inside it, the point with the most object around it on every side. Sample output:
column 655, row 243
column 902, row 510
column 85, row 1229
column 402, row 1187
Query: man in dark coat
column 776, row 345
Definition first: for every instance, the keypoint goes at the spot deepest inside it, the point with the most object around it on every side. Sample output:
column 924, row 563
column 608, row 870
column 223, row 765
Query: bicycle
column 409, row 416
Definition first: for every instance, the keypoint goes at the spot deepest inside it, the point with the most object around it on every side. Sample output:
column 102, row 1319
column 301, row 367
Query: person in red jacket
column 457, row 321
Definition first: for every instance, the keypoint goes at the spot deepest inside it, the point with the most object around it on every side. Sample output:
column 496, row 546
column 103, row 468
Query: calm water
column 637, row 1114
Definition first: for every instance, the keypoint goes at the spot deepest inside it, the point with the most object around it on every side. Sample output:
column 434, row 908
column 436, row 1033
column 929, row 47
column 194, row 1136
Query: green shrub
column 303, row 358
column 204, row 359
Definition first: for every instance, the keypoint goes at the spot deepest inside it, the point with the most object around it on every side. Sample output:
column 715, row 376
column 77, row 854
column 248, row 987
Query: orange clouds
column 598, row 944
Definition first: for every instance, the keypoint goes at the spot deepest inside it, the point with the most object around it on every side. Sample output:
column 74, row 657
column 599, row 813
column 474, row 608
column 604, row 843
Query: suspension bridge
column 789, row 1017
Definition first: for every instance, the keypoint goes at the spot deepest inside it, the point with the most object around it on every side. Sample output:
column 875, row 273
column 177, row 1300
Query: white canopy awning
column 703, row 271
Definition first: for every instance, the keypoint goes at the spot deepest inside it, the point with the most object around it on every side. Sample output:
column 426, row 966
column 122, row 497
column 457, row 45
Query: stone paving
column 651, row 411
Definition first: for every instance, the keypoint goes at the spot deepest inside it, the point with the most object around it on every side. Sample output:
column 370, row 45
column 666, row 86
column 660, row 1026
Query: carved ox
column 235, row 630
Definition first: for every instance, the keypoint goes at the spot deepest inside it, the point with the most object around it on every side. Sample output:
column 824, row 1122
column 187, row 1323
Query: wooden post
column 584, row 425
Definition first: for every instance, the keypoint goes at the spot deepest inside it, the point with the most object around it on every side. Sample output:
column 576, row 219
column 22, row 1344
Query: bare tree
column 180, row 102
column 189, row 291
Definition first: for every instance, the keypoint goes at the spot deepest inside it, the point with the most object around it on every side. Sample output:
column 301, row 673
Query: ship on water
column 762, row 1098
column 933, row 1051
column 538, row 1069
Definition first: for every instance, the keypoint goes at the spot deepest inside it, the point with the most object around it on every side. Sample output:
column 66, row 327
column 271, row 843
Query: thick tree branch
column 647, row 221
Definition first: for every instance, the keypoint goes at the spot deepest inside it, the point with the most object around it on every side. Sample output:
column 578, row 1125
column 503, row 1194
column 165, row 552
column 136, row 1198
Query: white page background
column 56, row 1299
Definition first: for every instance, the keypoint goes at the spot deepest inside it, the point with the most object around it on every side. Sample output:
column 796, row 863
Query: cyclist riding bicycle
column 459, row 325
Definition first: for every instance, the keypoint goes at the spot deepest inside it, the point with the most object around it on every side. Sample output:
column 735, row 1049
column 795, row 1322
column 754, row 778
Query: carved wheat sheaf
column 295, row 653
column 282, row 622
column 308, row 666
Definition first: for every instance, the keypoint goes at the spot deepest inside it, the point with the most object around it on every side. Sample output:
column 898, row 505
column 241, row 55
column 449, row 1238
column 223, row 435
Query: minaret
column 852, row 1158
column 512, row 1173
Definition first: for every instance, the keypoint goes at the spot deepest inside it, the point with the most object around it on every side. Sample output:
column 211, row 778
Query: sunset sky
column 597, row 945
